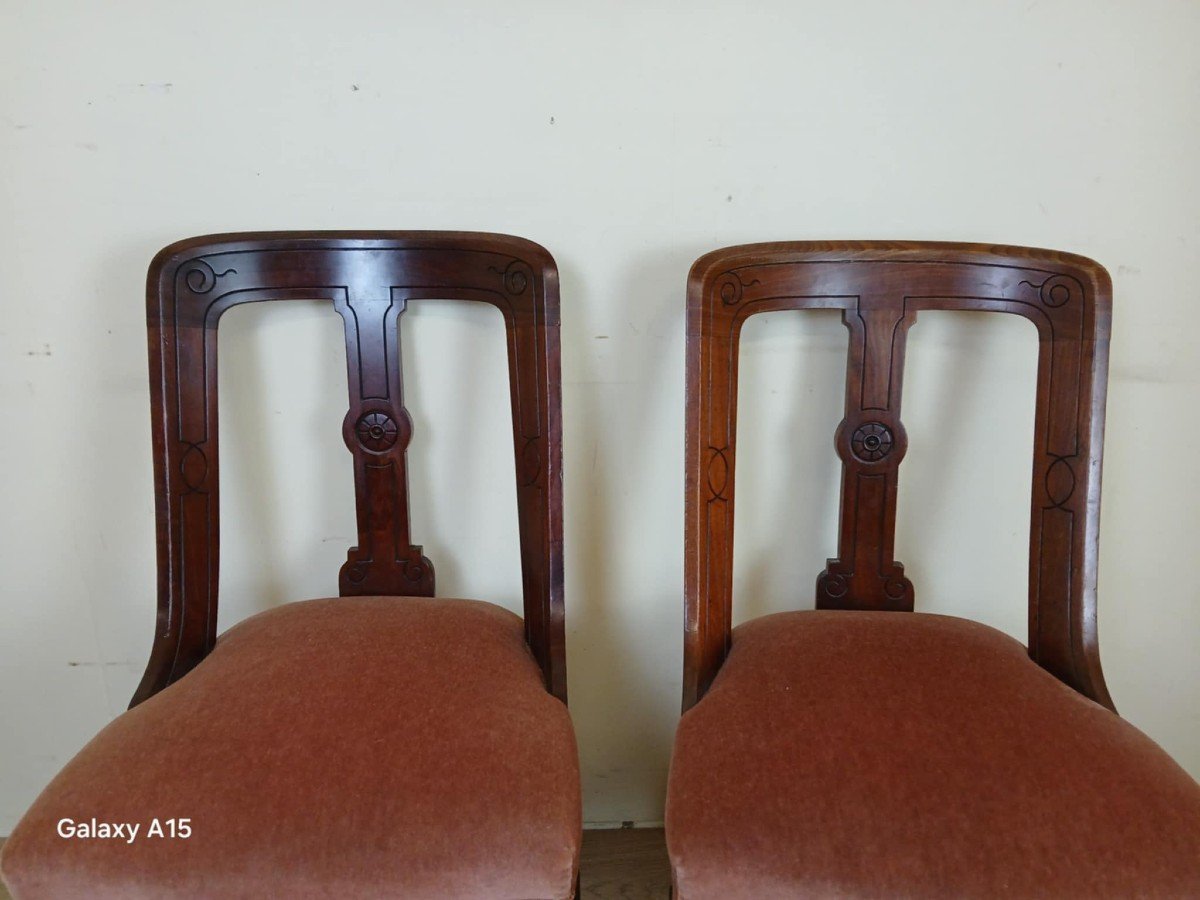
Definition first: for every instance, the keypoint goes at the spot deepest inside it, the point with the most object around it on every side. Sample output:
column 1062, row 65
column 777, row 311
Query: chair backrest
column 880, row 287
column 369, row 277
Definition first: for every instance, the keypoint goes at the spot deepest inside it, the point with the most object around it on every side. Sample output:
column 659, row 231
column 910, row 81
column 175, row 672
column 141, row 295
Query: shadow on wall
column 87, row 646
column 791, row 389
column 964, row 491
column 461, row 463
column 624, row 445
column 111, row 519
column 287, row 495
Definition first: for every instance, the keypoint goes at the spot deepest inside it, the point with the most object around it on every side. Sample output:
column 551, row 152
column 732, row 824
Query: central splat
column 871, row 442
column 377, row 429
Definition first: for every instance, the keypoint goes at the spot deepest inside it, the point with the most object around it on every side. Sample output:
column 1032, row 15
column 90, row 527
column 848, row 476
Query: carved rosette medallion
column 376, row 431
column 872, row 441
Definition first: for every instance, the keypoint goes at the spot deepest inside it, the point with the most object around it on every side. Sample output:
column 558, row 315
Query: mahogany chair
column 863, row 749
column 385, row 743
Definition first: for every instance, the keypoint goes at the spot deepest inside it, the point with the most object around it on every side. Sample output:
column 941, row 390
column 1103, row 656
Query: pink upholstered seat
column 355, row 747
column 880, row 754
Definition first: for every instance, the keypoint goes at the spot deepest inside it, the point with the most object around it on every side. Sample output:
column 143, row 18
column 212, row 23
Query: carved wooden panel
column 369, row 278
column 880, row 288
column 377, row 429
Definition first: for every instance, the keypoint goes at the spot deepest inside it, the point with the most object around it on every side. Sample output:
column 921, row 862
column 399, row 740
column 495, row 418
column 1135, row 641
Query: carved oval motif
column 193, row 466
column 872, row 441
column 530, row 462
column 718, row 473
column 376, row 431
column 1060, row 481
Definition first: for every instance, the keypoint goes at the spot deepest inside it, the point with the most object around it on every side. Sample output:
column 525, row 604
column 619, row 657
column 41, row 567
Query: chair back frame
column 880, row 287
column 369, row 277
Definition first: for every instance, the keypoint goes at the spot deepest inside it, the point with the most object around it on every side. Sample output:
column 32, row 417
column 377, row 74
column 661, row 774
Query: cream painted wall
column 629, row 138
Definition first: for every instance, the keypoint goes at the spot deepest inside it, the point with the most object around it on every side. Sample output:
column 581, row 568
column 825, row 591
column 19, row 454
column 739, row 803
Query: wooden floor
column 625, row 863
column 621, row 864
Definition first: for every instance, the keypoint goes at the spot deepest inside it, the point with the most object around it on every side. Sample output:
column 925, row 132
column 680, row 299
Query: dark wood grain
column 369, row 277
column 880, row 287
column 624, row 864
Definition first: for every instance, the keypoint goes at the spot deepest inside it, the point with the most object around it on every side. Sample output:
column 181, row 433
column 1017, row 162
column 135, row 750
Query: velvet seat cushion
column 354, row 747
column 880, row 754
